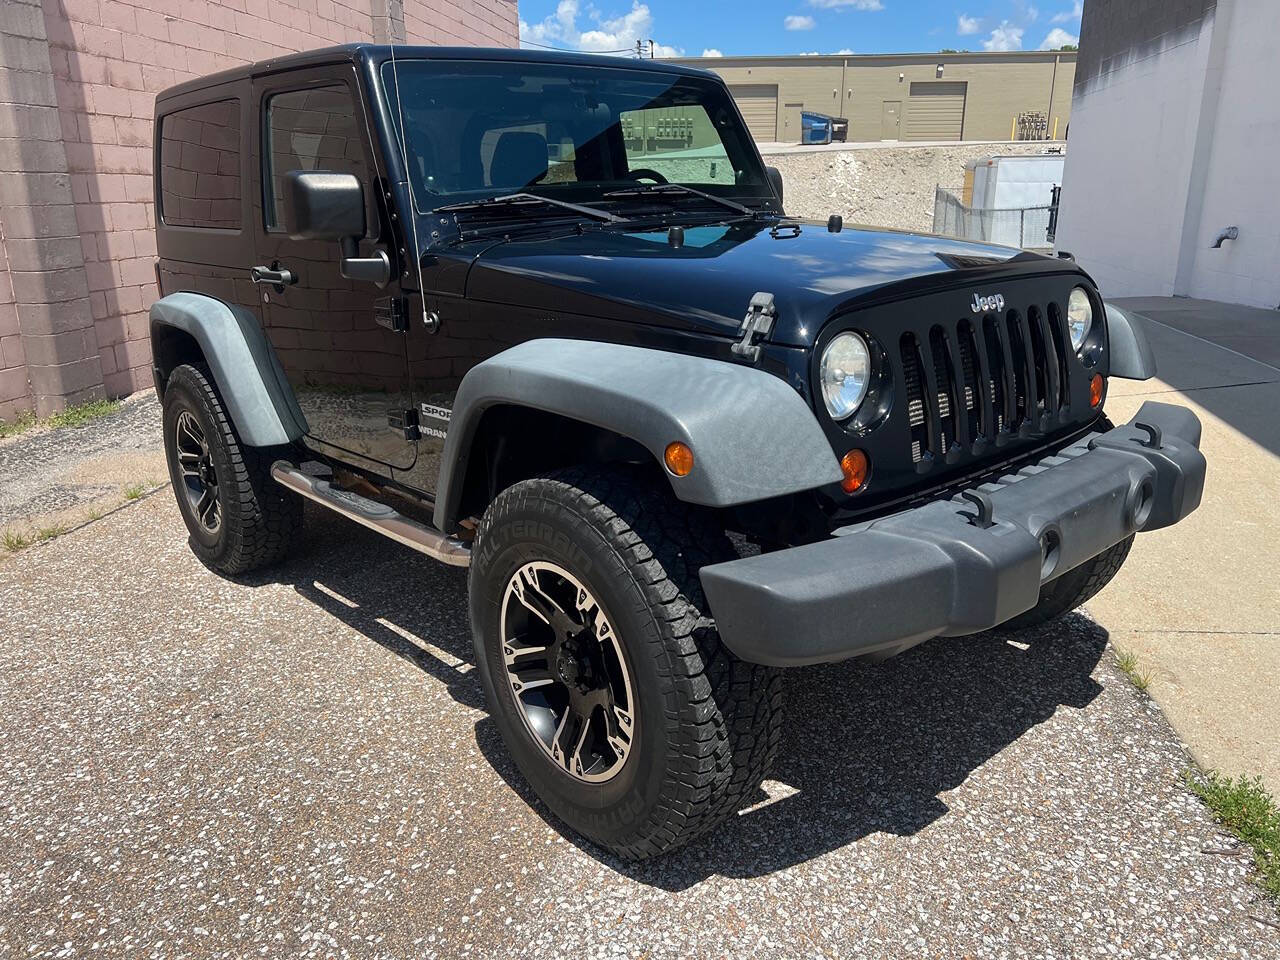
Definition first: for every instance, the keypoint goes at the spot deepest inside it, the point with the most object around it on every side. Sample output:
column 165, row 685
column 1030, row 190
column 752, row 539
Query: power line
column 530, row 43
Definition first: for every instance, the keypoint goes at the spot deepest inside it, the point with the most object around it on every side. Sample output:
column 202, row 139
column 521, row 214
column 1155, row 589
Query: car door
column 348, row 371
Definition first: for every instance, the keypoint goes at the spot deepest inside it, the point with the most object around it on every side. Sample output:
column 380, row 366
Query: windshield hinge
column 756, row 326
column 392, row 313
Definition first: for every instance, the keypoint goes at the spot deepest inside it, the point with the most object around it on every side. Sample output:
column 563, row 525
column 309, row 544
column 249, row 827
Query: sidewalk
column 1199, row 603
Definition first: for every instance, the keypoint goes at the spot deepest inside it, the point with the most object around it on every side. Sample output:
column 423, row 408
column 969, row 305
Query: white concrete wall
column 1129, row 153
column 1242, row 184
column 1171, row 146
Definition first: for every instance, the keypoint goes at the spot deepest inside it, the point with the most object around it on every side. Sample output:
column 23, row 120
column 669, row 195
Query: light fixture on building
column 901, row 77
column 940, row 69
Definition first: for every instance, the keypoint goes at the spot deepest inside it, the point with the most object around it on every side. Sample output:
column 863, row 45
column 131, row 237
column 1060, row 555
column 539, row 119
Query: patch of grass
column 75, row 416
column 97, row 513
column 1129, row 665
column 134, row 490
column 19, row 424
column 82, row 413
column 51, row 531
column 1244, row 807
column 15, row 541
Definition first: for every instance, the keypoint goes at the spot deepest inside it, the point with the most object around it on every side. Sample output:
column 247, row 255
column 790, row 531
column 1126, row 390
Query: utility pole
column 639, row 49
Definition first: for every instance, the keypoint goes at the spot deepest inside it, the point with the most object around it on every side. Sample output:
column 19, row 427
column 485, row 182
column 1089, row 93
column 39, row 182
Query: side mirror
column 330, row 206
column 775, row 181
column 323, row 206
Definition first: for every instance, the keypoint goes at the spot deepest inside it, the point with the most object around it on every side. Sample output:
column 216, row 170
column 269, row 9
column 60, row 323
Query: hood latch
column 756, row 326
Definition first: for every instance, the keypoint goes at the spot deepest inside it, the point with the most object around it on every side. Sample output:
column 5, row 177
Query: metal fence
column 1026, row 227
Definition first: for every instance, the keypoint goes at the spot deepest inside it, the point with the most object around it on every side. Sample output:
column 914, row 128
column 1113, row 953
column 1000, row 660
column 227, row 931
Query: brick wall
column 78, row 80
column 47, row 340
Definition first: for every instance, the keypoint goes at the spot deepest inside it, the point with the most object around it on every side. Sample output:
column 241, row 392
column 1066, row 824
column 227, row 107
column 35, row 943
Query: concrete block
column 37, row 319
column 64, row 379
column 53, row 253
column 48, row 286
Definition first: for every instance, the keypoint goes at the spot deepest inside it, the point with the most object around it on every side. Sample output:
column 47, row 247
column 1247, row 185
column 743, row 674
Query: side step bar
column 374, row 515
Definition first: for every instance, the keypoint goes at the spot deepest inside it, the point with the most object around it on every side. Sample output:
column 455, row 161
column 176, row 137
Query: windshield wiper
column 658, row 189
column 524, row 201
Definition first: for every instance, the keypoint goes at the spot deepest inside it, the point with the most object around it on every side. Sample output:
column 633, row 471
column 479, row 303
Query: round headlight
column 1079, row 316
column 846, row 374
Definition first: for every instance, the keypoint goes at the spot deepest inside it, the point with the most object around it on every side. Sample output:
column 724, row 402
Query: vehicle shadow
column 866, row 747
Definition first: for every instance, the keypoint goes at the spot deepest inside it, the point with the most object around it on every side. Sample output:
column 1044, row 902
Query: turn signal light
column 854, row 465
column 679, row 458
column 1095, row 390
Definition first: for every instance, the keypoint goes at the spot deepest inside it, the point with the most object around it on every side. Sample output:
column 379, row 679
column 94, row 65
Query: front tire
column 585, row 600
column 238, row 518
column 1075, row 587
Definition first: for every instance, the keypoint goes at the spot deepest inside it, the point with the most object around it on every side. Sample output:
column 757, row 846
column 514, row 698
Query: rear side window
column 200, row 166
column 313, row 129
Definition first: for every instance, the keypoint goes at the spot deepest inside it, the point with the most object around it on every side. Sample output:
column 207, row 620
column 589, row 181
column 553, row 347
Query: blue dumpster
column 815, row 128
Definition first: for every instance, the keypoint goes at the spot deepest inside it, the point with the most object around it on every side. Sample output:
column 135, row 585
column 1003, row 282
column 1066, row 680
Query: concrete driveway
column 1199, row 603
column 300, row 764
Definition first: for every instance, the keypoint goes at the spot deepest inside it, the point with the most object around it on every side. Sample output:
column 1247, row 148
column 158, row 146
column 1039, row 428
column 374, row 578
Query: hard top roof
column 377, row 53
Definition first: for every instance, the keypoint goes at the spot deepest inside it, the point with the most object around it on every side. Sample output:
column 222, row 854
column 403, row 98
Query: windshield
column 479, row 129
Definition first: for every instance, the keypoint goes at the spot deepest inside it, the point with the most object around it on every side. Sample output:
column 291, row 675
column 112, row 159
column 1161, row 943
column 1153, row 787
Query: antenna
column 404, row 160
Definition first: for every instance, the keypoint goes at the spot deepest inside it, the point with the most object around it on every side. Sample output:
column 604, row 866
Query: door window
column 312, row 129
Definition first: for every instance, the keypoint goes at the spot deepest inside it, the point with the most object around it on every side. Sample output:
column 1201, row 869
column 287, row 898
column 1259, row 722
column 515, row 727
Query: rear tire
column 704, row 726
column 239, row 518
column 1075, row 587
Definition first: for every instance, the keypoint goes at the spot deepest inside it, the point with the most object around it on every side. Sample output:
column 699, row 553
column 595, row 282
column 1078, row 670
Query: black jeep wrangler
column 544, row 315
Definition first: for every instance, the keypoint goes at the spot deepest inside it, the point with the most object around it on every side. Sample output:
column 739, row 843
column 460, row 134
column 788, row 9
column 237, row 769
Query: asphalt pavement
column 299, row 764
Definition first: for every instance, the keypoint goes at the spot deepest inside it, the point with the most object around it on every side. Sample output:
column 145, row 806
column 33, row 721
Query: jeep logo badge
column 987, row 304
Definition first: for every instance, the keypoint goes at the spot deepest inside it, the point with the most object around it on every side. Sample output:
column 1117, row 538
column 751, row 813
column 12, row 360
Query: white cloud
column 712, row 52
column 609, row 34
column 1004, row 37
column 1069, row 16
column 847, row 4
column 1032, row 14
column 846, row 52
column 798, row 22
column 967, row 25
column 1057, row 38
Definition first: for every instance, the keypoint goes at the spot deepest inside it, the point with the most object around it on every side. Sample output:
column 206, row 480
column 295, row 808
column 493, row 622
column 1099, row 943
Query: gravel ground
column 889, row 186
column 47, row 473
column 300, row 765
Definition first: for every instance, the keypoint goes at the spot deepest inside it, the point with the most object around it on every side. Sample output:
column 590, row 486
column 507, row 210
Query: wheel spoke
column 511, row 653
column 566, row 746
column 207, row 508
column 618, row 728
column 522, row 685
column 529, row 592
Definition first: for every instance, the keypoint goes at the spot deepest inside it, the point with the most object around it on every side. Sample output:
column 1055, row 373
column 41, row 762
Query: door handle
column 267, row 275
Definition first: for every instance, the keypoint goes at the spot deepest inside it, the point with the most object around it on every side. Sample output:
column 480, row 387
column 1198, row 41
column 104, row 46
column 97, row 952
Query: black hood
column 706, row 282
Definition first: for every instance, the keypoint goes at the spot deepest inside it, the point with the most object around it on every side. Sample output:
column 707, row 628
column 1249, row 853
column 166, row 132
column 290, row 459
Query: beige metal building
column 910, row 96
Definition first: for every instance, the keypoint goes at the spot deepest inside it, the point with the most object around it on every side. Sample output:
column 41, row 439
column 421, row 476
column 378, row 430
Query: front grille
column 980, row 381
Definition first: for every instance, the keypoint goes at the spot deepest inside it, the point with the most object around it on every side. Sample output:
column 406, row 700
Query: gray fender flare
column 753, row 437
column 244, row 366
column 1131, row 356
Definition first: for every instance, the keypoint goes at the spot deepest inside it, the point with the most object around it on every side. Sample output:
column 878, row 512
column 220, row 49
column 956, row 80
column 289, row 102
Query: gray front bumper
column 936, row 571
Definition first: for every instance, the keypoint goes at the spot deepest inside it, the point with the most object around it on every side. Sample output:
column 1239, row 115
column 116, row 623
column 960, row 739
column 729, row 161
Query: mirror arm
column 375, row 269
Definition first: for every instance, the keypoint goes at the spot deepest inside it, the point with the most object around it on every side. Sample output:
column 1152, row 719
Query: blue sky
column 762, row 27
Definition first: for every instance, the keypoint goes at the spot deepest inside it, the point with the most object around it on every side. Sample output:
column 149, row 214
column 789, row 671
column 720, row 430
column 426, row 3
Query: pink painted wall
column 110, row 57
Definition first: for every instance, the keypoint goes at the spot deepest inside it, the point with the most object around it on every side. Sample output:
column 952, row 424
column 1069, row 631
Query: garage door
column 759, row 106
column 936, row 111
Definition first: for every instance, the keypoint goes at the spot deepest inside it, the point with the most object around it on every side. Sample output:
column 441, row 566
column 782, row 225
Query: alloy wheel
column 199, row 479
column 567, row 671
